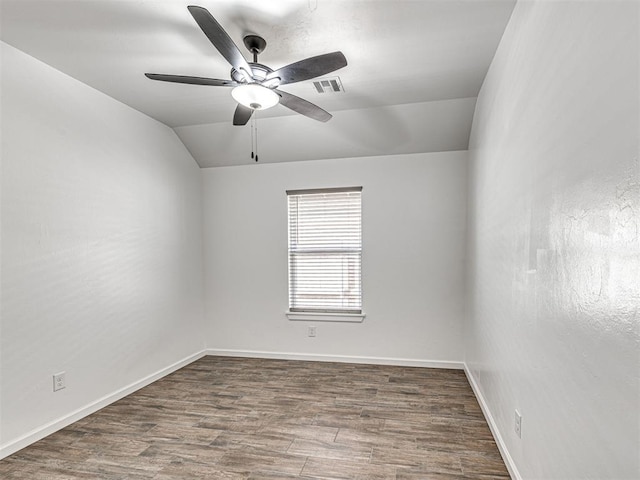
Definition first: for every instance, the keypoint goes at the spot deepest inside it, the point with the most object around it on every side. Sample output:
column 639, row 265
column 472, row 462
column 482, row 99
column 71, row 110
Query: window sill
column 325, row 317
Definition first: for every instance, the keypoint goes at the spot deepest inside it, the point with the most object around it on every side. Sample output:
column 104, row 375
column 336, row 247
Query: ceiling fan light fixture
column 255, row 84
column 255, row 96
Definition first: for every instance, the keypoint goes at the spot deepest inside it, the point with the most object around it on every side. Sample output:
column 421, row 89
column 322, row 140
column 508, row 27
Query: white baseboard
column 51, row 427
column 502, row 446
column 316, row 357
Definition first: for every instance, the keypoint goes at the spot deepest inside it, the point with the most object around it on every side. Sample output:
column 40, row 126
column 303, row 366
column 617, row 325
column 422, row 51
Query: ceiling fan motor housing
column 258, row 71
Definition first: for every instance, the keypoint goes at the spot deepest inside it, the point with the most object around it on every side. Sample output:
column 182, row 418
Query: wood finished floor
column 238, row 418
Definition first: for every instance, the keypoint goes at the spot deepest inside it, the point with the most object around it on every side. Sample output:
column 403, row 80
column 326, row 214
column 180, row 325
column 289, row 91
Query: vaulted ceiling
column 414, row 68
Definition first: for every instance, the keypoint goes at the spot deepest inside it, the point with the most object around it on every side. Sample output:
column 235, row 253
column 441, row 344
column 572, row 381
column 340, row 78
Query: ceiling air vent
column 328, row 85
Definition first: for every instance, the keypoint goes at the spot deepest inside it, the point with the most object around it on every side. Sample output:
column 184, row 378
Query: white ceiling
column 399, row 53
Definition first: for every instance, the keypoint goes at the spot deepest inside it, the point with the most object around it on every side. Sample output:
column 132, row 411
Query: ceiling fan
column 255, row 86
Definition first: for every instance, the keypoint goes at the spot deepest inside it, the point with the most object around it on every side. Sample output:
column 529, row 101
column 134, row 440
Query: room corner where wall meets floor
column 244, row 418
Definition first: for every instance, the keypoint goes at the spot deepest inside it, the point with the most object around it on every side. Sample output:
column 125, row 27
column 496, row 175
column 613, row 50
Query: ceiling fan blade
column 220, row 39
column 309, row 68
column 191, row 80
column 302, row 106
column 242, row 115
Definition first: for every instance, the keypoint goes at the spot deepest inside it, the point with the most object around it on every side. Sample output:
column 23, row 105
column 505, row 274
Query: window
column 325, row 251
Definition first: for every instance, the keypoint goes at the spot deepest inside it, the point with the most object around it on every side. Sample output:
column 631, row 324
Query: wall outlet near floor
column 59, row 381
column 518, row 424
column 311, row 331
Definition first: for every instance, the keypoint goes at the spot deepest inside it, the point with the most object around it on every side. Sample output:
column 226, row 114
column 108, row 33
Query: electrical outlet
column 59, row 381
column 311, row 331
column 518, row 424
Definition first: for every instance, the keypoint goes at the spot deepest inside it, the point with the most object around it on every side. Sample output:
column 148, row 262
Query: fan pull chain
column 256, row 134
column 251, row 127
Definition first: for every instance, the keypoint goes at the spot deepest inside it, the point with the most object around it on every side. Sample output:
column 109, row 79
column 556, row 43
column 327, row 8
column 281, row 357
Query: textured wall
column 554, row 252
column 101, row 245
column 413, row 209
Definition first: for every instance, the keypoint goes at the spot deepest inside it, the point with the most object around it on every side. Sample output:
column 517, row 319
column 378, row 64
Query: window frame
column 324, row 314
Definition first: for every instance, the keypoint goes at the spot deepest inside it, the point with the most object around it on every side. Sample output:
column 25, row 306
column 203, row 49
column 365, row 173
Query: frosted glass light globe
column 255, row 96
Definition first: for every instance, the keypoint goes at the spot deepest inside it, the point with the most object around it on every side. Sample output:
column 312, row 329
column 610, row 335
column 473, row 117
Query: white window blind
column 325, row 250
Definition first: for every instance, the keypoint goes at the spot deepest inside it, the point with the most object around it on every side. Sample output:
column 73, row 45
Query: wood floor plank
column 347, row 469
column 248, row 419
column 317, row 449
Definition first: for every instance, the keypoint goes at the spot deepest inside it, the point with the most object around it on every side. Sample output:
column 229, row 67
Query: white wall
column 101, row 247
column 413, row 260
column 554, row 253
